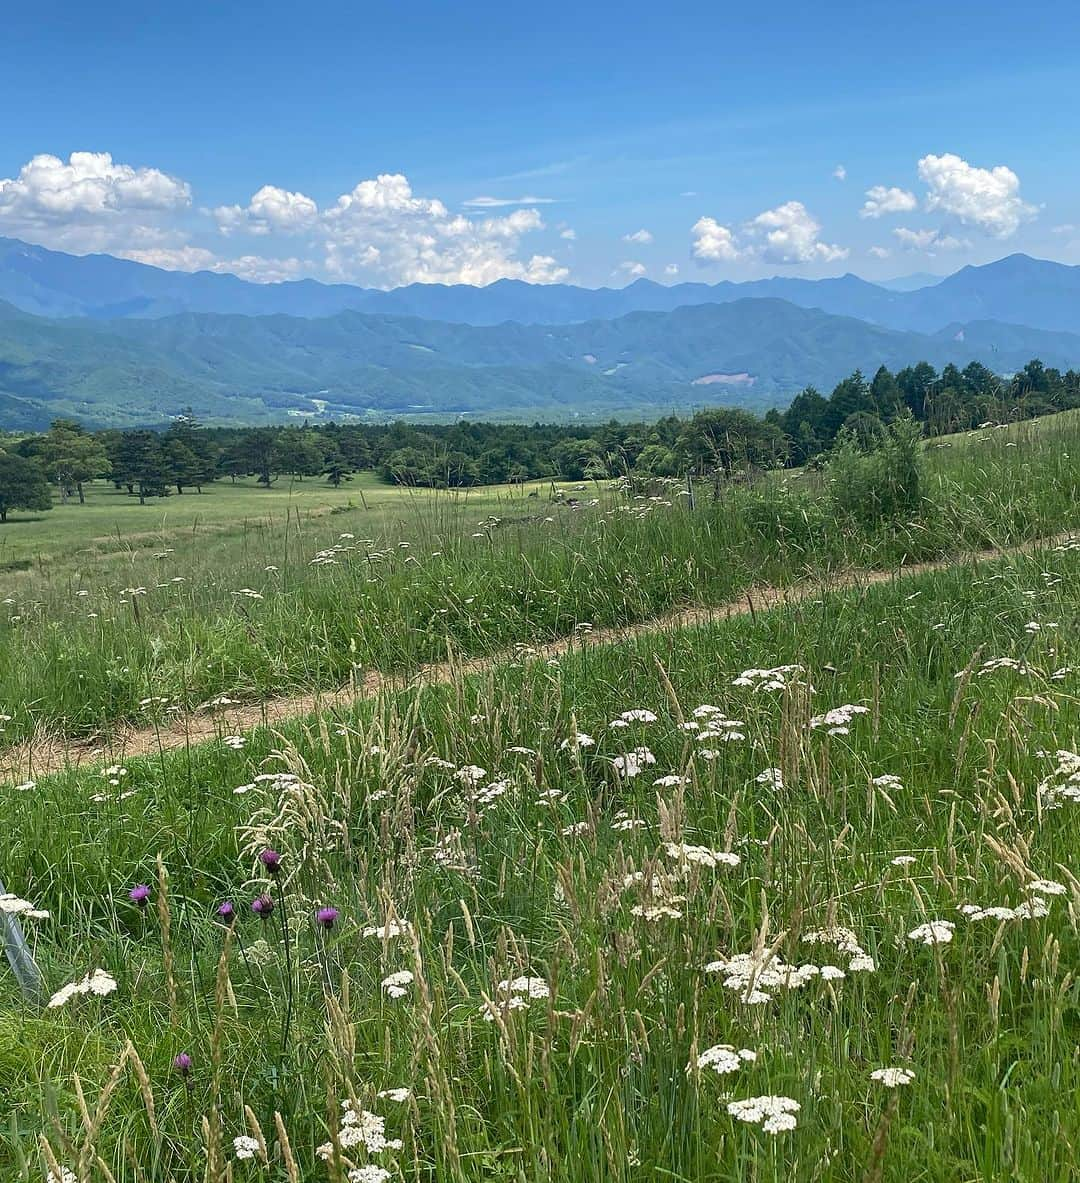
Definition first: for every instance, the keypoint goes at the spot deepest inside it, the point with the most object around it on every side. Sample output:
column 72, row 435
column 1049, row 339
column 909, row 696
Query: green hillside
column 229, row 368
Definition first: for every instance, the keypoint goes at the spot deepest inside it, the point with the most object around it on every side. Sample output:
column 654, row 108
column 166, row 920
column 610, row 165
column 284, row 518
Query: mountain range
column 1016, row 290
column 113, row 342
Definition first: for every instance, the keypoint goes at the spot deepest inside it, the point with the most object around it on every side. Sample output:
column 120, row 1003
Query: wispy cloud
column 486, row 202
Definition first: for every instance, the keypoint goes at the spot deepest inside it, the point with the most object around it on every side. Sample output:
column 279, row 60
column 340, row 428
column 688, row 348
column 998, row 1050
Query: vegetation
column 136, row 629
column 235, row 369
column 639, row 912
column 715, row 443
column 22, row 485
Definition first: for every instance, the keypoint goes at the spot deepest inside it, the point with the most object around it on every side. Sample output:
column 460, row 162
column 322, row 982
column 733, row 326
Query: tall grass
column 251, row 616
column 534, row 866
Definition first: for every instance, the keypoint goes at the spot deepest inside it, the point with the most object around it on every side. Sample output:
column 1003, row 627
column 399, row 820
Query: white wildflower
column 98, row 983
column 397, row 984
column 935, row 932
column 724, row 1059
column 774, row 1114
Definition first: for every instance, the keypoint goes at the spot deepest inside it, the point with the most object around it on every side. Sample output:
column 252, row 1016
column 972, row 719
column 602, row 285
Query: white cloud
column 484, row 202
column 1065, row 228
column 689, row 193
column 642, row 236
column 90, row 202
column 931, row 241
column 840, row 173
column 183, row 258
column 789, row 234
column 892, row 200
column 270, row 209
column 671, row 269
column 569, row 234
column 381, row 232
column 987, row 198
column 713, row 243
column 637, row 270
column 879, row 252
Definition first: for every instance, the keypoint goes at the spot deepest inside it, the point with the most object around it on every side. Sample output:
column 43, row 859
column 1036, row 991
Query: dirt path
column 47, row 754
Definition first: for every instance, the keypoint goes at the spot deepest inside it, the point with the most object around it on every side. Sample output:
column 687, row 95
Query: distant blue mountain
column 1015, row 290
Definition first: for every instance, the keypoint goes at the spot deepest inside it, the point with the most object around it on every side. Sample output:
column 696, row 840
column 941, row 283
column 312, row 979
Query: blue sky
column 743, row 143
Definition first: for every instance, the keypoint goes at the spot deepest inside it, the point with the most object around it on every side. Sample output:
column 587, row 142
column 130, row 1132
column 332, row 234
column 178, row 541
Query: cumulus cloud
column 931, row 241
column 382, row 232
column 985, row 197
column 789, row 234
column 671, row 269
column 643, row 236
column 713, row 243
column 270, row 209
column 633, row 269
column 840, row 173
column 569, row 234
column 90, row 202
column 881, row 200
column 879, row 252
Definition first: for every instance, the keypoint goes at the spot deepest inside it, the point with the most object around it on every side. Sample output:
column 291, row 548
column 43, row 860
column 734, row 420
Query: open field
column 669, row 853
column 143, row 624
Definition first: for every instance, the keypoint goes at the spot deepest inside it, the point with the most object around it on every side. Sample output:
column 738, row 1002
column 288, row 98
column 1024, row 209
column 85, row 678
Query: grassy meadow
column 129, row 614
column 788, row 897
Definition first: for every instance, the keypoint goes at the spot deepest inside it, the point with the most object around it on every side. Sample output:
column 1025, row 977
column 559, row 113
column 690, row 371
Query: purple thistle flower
column 140, row 894
column 226, row 911
column 271, row 860
column 326, row 917
column 182, row 1064
column 262, row 906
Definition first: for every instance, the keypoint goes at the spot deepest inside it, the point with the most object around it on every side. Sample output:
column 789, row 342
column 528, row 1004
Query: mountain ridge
column 753, row 352
column 1016, row 289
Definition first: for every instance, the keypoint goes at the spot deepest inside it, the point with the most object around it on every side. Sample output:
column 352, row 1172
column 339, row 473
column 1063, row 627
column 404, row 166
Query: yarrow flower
column 935, row 932
column 371, row 1173
column 245, row 1147
column 98, row 983
column 892, row 1078
column 837, row 721
column 702, row 855
column 515, row 994
column 399, row 1095
column 396, row 985
column 724, row 1059
column 632, row 764
column 389, row 930
column 12, row 905
column 360, row 1127
column 775, row 1115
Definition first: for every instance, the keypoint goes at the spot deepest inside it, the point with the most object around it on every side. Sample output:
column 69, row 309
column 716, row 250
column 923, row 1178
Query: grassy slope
column 596, row 1087
column 413, row 586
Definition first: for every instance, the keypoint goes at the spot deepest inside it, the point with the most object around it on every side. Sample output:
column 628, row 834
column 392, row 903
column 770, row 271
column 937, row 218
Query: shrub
column 881, row 481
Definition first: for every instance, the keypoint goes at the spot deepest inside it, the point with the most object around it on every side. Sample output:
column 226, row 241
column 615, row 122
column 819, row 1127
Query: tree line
column 188, row 456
